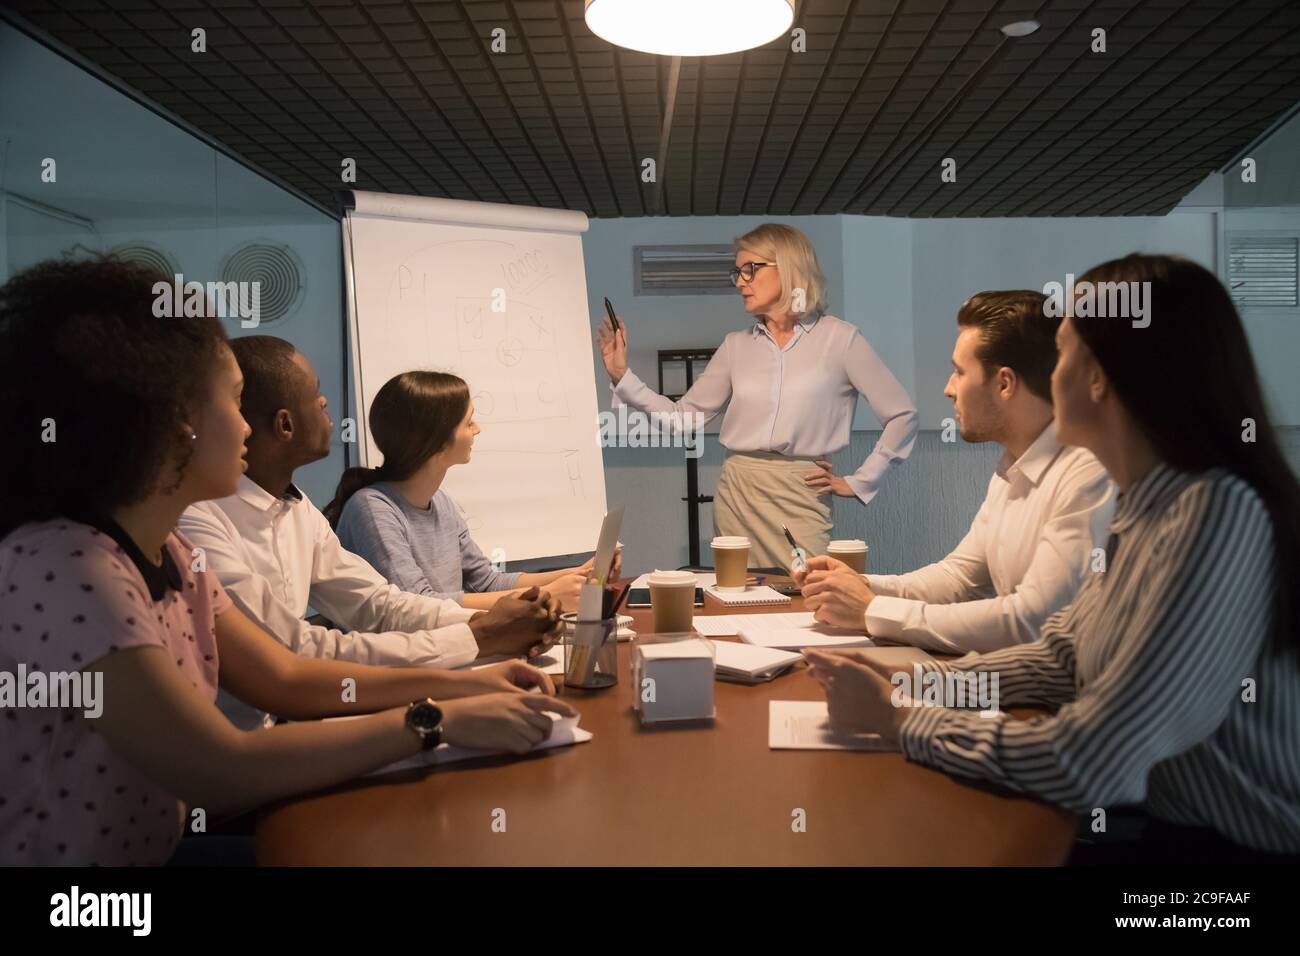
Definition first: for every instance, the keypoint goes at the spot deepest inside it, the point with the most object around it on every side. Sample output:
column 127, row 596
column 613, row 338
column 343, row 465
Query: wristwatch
column 425, row 718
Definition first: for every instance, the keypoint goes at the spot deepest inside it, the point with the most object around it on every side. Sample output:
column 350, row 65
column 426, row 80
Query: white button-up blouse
column 796, row 401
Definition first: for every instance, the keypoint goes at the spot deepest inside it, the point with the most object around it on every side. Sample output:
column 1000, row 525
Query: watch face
column 425, row 716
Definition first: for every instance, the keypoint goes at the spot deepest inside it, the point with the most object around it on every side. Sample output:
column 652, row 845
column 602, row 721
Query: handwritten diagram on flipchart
column 506, row 311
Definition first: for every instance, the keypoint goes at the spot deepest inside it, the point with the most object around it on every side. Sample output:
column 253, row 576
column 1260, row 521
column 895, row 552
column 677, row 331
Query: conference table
column 697, row 793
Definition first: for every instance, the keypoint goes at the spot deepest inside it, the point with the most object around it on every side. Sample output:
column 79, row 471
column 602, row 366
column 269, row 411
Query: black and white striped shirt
column 1150, row 668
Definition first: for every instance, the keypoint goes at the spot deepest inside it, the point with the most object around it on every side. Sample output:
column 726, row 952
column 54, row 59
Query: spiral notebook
column 752, row 596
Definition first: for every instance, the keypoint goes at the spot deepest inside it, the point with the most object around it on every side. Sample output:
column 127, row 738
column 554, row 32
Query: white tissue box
column 673, row 680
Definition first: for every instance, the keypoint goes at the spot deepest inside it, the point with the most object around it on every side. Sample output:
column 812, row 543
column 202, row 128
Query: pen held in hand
column 797, row 564
column 613, row 319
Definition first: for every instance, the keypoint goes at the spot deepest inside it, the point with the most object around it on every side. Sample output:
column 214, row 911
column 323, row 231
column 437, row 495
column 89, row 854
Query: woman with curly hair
column 118, row 419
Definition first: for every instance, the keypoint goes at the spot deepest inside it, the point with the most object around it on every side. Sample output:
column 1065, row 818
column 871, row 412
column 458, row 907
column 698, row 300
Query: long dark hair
column 1189, row 381
column 413, row 417
column 94, row 388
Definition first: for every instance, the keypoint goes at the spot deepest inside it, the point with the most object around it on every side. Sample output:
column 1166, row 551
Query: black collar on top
column 157, row 579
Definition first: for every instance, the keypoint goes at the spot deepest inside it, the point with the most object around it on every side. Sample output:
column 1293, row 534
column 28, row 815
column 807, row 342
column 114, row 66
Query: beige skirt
column 760, row 491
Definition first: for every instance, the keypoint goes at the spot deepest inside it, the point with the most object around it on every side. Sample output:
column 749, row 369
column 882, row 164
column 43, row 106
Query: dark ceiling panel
column 859, row 123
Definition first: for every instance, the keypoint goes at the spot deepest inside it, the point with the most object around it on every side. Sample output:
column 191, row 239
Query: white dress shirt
column 797, row 400
column 1024, row 557
column 278, row 556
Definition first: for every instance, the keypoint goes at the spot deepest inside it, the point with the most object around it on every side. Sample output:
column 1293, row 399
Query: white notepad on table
column 804, row 725
column 795, row 630
column 749, row 664
column 753, row 595
column 552, row 662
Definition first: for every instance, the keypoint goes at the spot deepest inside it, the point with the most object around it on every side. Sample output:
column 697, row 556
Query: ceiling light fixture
column 689, row 27
column 1021, row 28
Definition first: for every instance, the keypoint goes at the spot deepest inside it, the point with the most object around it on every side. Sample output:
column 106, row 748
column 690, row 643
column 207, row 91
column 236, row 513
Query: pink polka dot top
column 71, row 594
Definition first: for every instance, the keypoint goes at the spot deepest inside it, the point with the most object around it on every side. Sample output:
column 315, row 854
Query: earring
column 193, row 436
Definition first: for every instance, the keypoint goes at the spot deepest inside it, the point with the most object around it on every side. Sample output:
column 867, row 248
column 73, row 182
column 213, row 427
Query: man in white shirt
column 1033, row 540
column 276, row 554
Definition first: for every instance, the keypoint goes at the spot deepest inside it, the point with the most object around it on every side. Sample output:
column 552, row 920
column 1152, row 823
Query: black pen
column 789, row 537
column 609, row 307
column 619, row 602
column 796, row 551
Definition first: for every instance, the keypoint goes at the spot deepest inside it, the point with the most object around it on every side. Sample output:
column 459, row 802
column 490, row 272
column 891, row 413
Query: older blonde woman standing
column 790, row 383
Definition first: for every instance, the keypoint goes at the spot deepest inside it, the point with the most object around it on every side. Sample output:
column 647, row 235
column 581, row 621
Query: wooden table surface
column 709, row 793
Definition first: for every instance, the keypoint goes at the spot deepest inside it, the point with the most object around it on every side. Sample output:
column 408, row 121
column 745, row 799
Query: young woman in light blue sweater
column 397, row 518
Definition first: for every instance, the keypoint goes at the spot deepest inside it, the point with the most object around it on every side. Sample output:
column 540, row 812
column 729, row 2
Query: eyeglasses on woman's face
column 747, row 271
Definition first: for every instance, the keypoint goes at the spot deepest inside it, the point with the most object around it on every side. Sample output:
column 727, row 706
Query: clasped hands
column 835, row 593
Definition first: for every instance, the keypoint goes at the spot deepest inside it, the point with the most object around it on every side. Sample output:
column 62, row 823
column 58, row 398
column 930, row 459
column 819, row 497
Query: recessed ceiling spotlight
column 689, row 27
column 1021, row 28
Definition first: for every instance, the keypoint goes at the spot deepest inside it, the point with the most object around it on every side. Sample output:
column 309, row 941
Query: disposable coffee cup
column 730, row 561
column 851, row 551
column 672, row 600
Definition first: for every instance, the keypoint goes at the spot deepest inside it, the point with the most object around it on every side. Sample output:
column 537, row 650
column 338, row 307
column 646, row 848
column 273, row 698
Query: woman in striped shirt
column 1174, row 677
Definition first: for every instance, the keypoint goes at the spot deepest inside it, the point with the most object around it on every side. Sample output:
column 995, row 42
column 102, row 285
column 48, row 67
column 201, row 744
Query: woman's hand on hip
column 825, row 481
column 613, row 347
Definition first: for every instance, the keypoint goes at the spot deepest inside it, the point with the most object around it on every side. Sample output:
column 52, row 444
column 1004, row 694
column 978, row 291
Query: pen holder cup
column 590, row 652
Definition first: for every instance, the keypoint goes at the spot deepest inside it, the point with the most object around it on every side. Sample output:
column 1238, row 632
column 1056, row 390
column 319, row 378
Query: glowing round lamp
column 689, row 27
column 1021, row 28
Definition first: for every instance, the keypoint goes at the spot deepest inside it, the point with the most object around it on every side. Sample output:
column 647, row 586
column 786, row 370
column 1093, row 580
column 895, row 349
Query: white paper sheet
column 565, row 731
column 804, row 725
column 552, row 662
column 497, row 294
column 607, row 544
column 717, row 625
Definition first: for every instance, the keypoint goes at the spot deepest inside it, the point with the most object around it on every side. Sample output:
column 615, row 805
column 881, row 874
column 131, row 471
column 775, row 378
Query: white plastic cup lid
column 730, row 541
column 674, row 579
column 847, row 544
